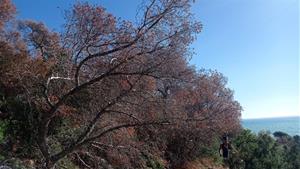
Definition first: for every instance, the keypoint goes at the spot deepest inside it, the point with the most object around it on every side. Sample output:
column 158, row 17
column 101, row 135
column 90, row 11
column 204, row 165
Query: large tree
column 102, row 75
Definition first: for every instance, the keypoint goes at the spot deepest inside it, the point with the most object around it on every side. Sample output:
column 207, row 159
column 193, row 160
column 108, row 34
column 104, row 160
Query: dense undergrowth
column 110, row 93
column 264, row 150
column 250, row 151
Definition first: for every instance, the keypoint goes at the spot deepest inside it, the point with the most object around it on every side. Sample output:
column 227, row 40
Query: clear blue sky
column 255, row 43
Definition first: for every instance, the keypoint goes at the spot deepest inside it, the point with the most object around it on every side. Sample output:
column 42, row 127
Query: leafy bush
column 2, row 130
column 264, row 151
column 18, row 128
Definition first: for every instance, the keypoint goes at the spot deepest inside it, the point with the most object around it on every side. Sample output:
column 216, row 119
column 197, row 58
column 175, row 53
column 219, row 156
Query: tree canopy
column 106, row 91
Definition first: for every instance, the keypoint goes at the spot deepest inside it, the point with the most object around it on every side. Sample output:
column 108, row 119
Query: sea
column 289, row 125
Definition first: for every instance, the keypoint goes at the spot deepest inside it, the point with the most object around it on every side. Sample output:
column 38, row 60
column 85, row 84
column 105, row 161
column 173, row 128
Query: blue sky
column 255, row 43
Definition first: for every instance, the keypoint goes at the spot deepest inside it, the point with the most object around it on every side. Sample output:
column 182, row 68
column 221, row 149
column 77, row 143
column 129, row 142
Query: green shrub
column 152, row 162
column 3, row 127
column 258, row 151
column 16, row 163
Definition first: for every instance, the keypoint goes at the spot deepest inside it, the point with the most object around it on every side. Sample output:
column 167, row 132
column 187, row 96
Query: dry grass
column 204, row 163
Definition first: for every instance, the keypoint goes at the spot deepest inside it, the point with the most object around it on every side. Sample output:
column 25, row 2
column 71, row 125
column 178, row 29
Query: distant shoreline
column 277, row 117
column 287, row 124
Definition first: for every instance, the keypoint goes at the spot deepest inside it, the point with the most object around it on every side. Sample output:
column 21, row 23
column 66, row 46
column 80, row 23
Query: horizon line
column 253, row 118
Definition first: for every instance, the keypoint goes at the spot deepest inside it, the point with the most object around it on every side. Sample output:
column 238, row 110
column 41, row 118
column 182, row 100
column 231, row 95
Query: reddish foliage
column 126, row 90
column 7, row 11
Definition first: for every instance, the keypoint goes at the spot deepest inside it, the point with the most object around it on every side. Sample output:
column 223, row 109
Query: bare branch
column 82, row 161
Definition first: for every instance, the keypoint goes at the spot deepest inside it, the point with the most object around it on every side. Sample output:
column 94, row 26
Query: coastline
column 288, row 124
column 277, row 117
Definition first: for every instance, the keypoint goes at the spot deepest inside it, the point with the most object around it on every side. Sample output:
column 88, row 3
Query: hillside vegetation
column 265, row 151
column 108, row 93
column 112, row 94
